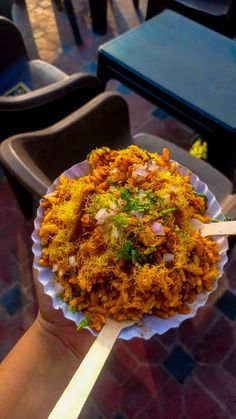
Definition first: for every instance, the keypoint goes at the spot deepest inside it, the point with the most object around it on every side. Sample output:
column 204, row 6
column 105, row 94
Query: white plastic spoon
column 220, row 228
column 76, row 393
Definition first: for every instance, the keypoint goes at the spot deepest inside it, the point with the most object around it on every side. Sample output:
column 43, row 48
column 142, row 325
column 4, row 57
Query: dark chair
column 6, row 8
column 50, row 93
column 219, row 15
column 33, row 160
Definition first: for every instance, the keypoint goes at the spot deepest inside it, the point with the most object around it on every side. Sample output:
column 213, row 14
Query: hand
column 54, row 325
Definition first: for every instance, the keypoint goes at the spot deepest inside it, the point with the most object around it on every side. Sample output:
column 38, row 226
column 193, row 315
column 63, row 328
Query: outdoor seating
column 33, row 160
column 33, row 93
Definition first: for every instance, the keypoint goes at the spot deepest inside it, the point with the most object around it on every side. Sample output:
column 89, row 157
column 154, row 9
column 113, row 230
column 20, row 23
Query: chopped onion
column 141, row 193
column 168, row 257
column 114, row 232
column 140, row 171
column 137, row 214
column 153, row 166
column 157, row 228
column 102, row 215
column 72, row 261
column 113, row 206
column 55, row 267
column 167, row 198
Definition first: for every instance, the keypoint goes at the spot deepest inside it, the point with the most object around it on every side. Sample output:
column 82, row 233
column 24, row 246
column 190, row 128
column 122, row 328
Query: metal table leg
column 73, row 21
column 98, row 10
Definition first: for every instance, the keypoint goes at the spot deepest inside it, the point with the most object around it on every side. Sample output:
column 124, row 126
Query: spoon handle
column 222, row 228
column 76, row 393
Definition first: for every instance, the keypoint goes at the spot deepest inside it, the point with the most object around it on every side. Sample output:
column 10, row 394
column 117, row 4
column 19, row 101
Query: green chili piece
column 167, row 211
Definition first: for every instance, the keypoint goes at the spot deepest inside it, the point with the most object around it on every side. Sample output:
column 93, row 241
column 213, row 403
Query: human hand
column 54, row 325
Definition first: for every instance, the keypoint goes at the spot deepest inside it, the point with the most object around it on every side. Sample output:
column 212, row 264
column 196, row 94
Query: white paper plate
column 151, row 324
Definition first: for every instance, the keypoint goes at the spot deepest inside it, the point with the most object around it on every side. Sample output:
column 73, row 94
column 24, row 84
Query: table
column 187, row 69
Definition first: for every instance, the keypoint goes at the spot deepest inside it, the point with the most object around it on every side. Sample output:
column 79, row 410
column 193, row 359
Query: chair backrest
column 37, row 158
column 218, row 15
column 5, row 8
column 12, row 47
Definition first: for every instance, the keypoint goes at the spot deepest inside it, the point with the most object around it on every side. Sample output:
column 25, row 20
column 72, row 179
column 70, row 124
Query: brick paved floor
column 185, row 373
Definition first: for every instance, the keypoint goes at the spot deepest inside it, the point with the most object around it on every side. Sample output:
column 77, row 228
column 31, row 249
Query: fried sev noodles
column 120, row 241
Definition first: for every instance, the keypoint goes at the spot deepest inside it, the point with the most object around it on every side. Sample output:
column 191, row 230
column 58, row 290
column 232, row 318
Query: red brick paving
column 220, row 384
column 135, row 394
column 230, row 362
column 121, row 363
column 217, row 343
column 168, row 403
column 106, row 394
column 199, row 403
column 191, row 331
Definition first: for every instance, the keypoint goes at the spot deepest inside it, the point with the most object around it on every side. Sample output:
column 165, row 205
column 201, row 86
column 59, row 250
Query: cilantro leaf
column 134, row 205
column 167, row 211
column 177, row 229
column 127, row 252
column 125, row 194
column 84, row 322
column 73, row 309
column 120, row 221
column 201, row 195
column 132, row 202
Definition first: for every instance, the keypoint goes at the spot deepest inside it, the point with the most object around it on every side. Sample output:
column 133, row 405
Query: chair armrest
column 37, row 158
column 228, row 206
column 70, row 87
column 20, row 167
column 43, row 107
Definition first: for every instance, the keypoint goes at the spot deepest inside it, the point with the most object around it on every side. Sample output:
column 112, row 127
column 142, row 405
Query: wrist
column 38, row 369
column 64, row 337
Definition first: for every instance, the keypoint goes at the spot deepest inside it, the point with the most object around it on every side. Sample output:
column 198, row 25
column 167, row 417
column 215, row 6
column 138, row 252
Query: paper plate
column 150, row 324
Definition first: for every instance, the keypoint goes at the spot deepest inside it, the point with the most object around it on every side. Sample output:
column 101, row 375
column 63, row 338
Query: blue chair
column 219, row 15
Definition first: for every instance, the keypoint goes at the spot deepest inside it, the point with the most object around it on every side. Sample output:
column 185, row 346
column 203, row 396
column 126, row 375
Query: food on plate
column 120, row 241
